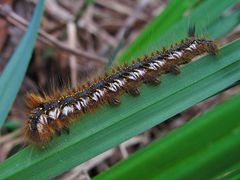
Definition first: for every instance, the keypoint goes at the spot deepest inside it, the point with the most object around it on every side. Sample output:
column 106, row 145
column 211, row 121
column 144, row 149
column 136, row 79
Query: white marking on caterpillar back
column 40, row 127
column 160, row 62
column 43, row 119
column 120, row 82
column 96, row 95
column 78, row 105
column 30, row 126
column 177, row 54
column 189, row 49
column 170, row 56
column 84, row 102
column 54, row 114
column 101, row 92
column 112, row 87
column 133, row 77
column 116, row 84
column 193, row 46
column 152, row 66
column 141, row 72
column 156, row 64
column 135, row 74
column 67, row 109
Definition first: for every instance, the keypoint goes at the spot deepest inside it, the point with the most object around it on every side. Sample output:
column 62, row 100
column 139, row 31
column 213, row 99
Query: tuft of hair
column 33, row 100
column 191, row 31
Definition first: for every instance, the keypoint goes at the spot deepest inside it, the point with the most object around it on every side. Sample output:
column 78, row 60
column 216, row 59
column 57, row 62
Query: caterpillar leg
column 152, row 80
column 58, row 132
column 66, row 129
column 114, row 101
column 133, row 91
column 174, row 69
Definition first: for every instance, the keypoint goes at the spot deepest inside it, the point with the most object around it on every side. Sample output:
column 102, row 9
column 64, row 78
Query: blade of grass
column 171, row 14
column 178, row 31
column 107, row 127
column 12, row 124
column 224, row 25
column 231, row 173
column 198, row 150
column 14, row 72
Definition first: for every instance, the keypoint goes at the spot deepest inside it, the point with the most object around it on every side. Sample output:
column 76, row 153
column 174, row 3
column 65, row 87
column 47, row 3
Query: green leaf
column 201, row 149
column 12, row 124
column 224, row 25
column 178, row 31
column 96, row 132
column 230, row 173
column 14, row 72
column 171, row 14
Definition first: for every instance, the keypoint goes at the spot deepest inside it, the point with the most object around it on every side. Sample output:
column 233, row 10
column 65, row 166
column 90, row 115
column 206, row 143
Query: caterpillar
column 50, row 115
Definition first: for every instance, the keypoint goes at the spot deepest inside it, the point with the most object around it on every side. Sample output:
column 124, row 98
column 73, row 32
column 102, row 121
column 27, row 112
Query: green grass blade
column 109, row 126
column 230, row 173
column 224, row 25
column 14, row 72
column 171, row 14
column 179, row 30
column 12, row 124
column 201, row 149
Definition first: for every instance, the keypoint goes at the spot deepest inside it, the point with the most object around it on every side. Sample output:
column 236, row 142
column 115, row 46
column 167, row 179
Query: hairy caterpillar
column 49, row 115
